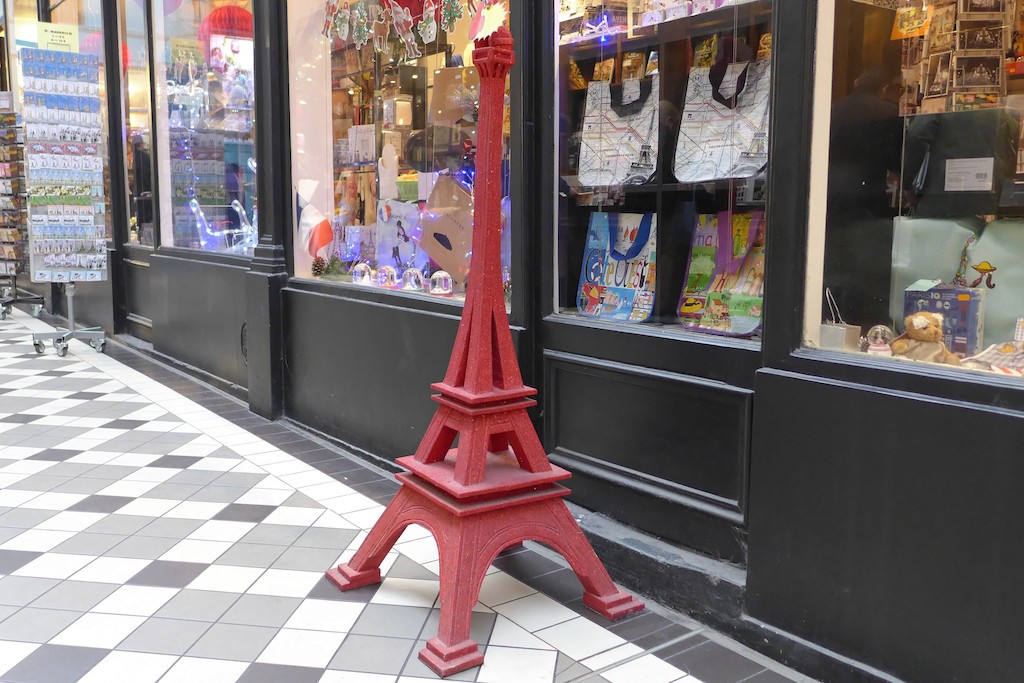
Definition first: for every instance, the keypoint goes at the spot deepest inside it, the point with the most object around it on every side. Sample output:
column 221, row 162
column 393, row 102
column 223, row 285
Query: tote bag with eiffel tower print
column 723, row 132
column 619, row 140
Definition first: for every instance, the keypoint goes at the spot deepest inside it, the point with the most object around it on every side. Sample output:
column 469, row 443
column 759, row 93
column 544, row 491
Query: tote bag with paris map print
column 619, row 140
column 723, row 132
column 618, row 277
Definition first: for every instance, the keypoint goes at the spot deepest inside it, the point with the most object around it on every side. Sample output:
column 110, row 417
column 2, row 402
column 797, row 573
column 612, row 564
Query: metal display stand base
column 9, row 296
column 96, row 337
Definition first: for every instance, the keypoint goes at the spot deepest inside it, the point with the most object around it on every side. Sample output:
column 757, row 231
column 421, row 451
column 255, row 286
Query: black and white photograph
column 938, row 75
column 942, row 28
column 983, row 6
column 978, row 71
column 980, row 35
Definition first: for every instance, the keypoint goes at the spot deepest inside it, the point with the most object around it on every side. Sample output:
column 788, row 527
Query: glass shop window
column 203, row 61
column 917, row 235
column 383, row 106
column 138, row 134
column 663, row 120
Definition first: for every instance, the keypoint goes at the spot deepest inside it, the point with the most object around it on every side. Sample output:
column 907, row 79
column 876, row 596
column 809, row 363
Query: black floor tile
column 100, row 504
column 20, row 418
column 712, row 663
column 55, row 455
column 643, row 624
column 360, row 476
column 176, row 462
column 562, row 585
column 376, row 489
column 166, row 574
column 124, row 424
column 768, row 676
column 241, row 512
column 55, row 664
column 526, row 565
column 659, row 639
column 275, row 673
column 13, row 560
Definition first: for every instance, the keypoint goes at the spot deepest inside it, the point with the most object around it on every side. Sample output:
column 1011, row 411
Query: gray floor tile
column 415, row 668
column 39, row 482
column 194, row 477
column 579, row 673
column 261, row 610
column 100, row 503
column 241, row 512
column 372, row 654
column 275, row 673
column 120, row 524
column 301, row 500
column 173, row 491
column 116, row 472
column 12, row 560
column 165, row 636
column 54, row 455
column 142, row 547
column 479, row 630
column 391, row 621
column 197, row 605
column 154, row 448
column 168, row 574
column 21, row 590
column 7, row 610
column 217, row 494
column 55, row 664
column 250, row 555
column 25, row 518
column 167, row 527
column 87, row 543
column 404, row 568
column 712, row 663
column 80, row 484
column 33, row 625
column 325, row 590
column 69, row 469
column 239, row 480
column 233, row 641
column 273, row 534
column 307, row 559
column 7, row 533
column 80, row 596
column 332, row 539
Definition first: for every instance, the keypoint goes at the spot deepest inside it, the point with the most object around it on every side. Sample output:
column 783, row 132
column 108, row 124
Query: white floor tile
column 349, row 503
column 15, row 498
column 37, row 541
column 129, row 489
column 98, row 630
column 332, row 520
column 579, row 638
column 195, row 510
column 508, row 634
column 227, row 578
column 139, row 601
column 424, row 550
column 356, row 677
column 535, row 612
column 407, row 592
column 196, row 551
column 614, row 656
column 149, row 507
column 11, row 653
column 514, row 665
column 325, row 615
column 111, row 570
column 499, row 588
column 292, row 647
column 198, row 670
column 365, row 519
column 293, row 516
column 129, row 666
column 286, row 583
column 648, row 669
column 135, row 459
column 157, row 474
column 71, row 521
column 215, row 464
column 54, row 566
column 54, row 501
column 264, row 497
column 216, row 530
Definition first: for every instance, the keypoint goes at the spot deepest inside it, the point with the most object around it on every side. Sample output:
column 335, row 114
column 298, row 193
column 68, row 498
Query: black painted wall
column 887, row 527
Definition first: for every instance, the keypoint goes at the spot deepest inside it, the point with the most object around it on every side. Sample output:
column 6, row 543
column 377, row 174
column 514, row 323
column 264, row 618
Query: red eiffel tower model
column 497, row 488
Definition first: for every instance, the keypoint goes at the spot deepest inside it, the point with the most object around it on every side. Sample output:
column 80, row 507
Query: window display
column 664, row 114
column 921, row 226
column 138, row 109
column 204, row 63
column 384, row 104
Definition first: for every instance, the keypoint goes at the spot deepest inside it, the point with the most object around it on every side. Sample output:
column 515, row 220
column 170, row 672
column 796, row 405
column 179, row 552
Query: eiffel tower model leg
column 497, row 488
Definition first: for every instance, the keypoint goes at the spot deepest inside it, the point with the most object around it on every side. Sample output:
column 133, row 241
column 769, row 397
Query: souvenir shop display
column 618, row 277
column 13, row 216
column 619, row 140
column 64, row 158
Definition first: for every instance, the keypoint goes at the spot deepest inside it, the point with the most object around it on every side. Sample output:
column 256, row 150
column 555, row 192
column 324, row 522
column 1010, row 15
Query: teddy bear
column 923, row 340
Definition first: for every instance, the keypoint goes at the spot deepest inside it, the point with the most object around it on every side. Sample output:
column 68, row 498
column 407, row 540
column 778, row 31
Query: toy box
column 963, row 312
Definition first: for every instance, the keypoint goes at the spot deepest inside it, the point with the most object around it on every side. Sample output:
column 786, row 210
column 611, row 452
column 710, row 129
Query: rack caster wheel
column 62, row 348
column 4, row 312
column 99, row 345
column 38, row 346
column 37, row 310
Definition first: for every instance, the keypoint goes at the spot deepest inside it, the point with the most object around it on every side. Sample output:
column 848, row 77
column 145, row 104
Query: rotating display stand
column 96, row 337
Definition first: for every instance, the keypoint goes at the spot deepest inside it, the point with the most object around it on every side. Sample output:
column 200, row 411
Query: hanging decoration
column 332, row 10
column 402, row 20
column 428, row 25
column 487, row 18
column 451, row 12
column 342, row 22
column 381, row 29
column 362, row 30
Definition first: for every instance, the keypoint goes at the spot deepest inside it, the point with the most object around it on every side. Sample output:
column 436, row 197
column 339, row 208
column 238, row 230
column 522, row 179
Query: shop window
column 204, row 67
column 917, row 230
column 383, row 105
column 663, row 113
column 137, row 110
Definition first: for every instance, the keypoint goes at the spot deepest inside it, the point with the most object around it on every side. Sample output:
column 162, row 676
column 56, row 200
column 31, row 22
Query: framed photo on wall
column 942, row 29
column 992, row 8
column 983, row 34
column 939, row 67
column 978, row 71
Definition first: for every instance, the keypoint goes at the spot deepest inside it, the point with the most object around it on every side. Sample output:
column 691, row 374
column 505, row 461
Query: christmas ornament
column 362, row 31
column 332, row 9
column 428, row 25
column 342, row 22
column 451, row 12
column 487, row 19
column 381, row 29
column 319, row 266
column 401, row 18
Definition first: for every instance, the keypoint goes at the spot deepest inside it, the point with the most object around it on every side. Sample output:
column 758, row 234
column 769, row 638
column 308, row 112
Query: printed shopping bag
column 619, row 140
column 447, row 227
column 724, row 289
column 617, row 282
column 724, row 128
column 995, row 262
column 398, row 235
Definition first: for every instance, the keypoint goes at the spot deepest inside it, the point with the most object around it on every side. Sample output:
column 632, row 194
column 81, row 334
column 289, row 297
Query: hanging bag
column 619, row 142
column 723, row 132
column 724, row 289
column 618, row 277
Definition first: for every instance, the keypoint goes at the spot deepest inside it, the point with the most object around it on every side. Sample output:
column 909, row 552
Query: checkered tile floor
column 144, row 537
